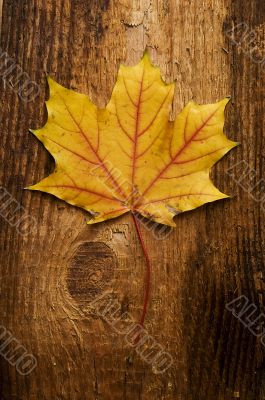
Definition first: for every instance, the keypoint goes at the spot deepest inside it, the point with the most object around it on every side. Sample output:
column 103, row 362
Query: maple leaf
column 129, row 156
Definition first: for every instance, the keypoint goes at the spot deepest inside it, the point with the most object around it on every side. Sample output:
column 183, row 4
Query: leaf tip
column 234, row 144
column 33, row 131
column 172, row 224
column 146, row 59
column 224, row 101
column 49, row 78
column 53, row 85
column 36, row 187
column 29, row 188
column 146, row 53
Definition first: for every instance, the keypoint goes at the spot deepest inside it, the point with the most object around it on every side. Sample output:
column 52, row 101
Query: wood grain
column 215, row 254
column 1, row 7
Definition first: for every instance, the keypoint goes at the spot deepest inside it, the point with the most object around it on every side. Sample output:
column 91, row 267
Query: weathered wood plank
column 1, row 8
column 216, row 252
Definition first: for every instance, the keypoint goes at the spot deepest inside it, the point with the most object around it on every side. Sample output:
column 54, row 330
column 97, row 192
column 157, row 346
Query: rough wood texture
column 216, row 252
column 1, row 7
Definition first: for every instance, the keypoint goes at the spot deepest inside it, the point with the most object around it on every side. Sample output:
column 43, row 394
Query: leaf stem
column 147, row 278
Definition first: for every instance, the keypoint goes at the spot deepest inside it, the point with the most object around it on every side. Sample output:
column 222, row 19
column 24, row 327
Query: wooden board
column 216, row 253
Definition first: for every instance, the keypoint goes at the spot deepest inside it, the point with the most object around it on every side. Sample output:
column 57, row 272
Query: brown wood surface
column 215, row 254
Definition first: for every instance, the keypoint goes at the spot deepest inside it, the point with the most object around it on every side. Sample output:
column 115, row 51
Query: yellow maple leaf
column 129, row 156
